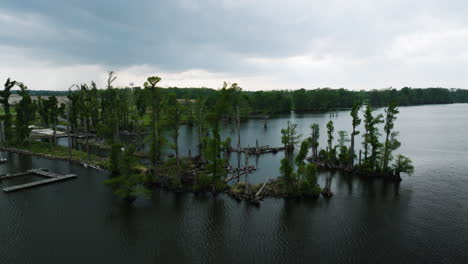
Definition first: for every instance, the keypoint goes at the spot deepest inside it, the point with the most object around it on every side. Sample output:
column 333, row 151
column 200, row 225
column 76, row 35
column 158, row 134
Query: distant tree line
column 322, row 99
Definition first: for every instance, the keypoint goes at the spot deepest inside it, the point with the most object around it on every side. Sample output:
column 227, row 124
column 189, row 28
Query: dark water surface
column 422, row 220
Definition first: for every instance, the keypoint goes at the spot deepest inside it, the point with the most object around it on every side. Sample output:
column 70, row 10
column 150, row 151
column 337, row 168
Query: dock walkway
column 51, row 178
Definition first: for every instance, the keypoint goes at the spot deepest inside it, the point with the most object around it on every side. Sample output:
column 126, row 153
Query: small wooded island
column 101, row 117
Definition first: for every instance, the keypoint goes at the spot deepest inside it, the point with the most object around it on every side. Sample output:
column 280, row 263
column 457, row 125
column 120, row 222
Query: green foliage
column 289, row 137
column 115, row 157
column 331, row 151
column 323, row 155
column 343, row 154
column 304, row 180
column 287, row 178
column 155, row 98
column 204, row 181
column 25, row 111
column 105, row 132
column 173, row 117
column 356, row 121
column 371, row 141
column 309, row 186
column 391, row 143
column 226, row 144
column 128, row 184
column 172, row 170
column 342, row 138
column 302, row 153
column 300, row 160
column 5, row 96
column 403, row 164
column 314, row 139
column 330, row 129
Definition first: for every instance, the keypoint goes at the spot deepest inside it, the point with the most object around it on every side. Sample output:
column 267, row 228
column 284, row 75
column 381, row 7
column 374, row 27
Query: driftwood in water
column 88, row 165
column 238, row 170
column 259, row 150
column 255, row 199
column 234, row 176
column 259, row 195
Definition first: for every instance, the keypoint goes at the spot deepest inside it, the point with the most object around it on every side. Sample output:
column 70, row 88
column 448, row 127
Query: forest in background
column 321, row 99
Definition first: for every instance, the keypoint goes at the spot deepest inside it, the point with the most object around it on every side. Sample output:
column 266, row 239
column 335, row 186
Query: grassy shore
column 49, row 151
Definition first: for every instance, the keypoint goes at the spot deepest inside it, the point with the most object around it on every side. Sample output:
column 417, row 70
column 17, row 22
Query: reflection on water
column 422, row 220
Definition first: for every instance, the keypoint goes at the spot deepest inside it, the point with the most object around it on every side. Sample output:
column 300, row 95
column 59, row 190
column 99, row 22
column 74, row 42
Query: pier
column 50, row 178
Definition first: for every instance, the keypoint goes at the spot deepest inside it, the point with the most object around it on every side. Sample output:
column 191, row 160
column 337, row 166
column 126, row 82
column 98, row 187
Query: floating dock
column 51, row 178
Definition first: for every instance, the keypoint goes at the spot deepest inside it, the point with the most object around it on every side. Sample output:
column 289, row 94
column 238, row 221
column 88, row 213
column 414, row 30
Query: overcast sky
column 260, row 44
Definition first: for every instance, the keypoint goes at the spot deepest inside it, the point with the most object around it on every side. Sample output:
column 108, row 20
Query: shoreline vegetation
column 152, row 115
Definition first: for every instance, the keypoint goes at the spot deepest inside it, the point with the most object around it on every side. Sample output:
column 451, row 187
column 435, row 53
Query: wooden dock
column 9, row 176
column 39, row 171
column 38, row 183
column 44, row 173
column 51, row 178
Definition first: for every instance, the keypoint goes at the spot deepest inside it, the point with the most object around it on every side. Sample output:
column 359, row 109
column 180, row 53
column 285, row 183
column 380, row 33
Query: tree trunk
column 87, row 139
column 360, row 152
column 200, row 142
column 1, row 131
column 238, row 130
column 176, row 143
column 397, row 177
column 68, row 133
column 351, row 152
column 54, row 127
column 156, row 145
column 247, row 186
column 386, row 154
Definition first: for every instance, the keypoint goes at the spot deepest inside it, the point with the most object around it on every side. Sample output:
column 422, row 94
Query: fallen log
column 234, row 176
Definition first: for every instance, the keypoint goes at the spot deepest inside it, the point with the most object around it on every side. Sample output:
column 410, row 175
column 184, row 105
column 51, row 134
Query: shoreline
column 236, row 191
column 52, row 157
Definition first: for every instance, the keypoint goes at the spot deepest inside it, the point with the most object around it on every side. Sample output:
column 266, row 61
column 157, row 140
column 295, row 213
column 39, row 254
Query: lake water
column 422, row 220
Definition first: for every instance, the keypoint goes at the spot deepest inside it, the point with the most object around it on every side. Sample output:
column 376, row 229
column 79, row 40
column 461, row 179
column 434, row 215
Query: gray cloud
column 282, row 44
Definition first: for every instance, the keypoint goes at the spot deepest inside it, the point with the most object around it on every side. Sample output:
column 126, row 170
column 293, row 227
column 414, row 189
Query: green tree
column 330, row 129
column 200, row 121
column 402, row 164
column 290, row 137
column 300, row 160
column 25, row 111
column 189, row 109
column 128, row 184
column 156, row 99
column 85, row 112
column 331, row 151
column 309, row 184
column 371, row 138
column 173, row 118
column 287, row 178
column 115, row 158
column 54, row 112
column 7, row 119
column 391, row 115
column 314, row 140
column 343, row 155
column 356, row 122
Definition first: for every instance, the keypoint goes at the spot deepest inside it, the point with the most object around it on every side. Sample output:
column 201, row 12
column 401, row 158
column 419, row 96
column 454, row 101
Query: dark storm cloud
column 159, row 32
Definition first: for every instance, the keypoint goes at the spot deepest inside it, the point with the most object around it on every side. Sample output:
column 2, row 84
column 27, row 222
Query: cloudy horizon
column 261, row 45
